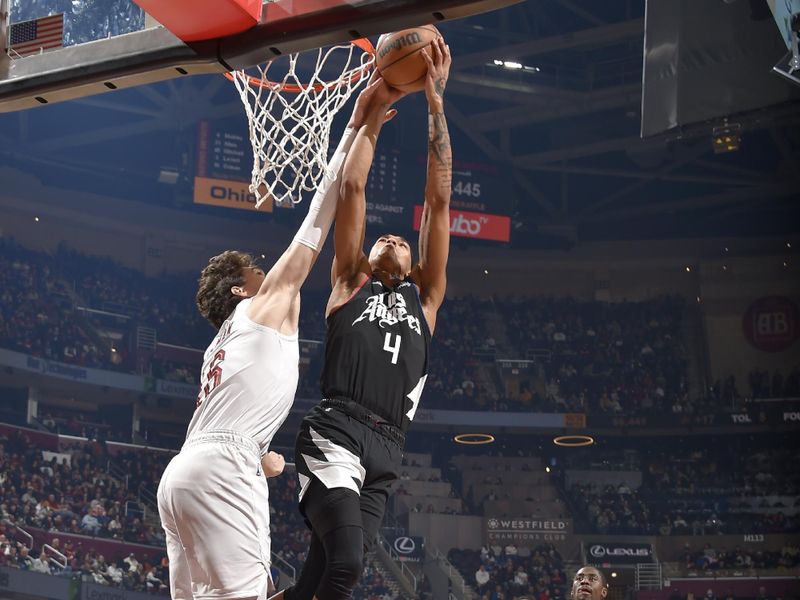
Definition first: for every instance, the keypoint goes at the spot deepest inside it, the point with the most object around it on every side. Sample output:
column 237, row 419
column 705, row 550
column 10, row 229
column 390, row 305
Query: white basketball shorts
column 213, row 502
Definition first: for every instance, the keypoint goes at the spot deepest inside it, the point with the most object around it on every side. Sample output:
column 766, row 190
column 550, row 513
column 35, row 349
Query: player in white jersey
column 213, row 498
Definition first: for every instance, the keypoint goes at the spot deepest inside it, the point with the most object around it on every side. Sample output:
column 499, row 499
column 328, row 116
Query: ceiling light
column 474, row 439
column 509, row 64
column 726, row 138
column 573, row 441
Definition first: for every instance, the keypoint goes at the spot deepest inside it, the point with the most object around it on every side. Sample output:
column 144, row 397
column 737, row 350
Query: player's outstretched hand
column 437, row 57
column 378, row 95
column 272, row 464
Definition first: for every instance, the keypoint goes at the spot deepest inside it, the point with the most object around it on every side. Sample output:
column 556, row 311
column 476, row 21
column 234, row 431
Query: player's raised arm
column 277, row 295
column 348, row 237
column 434, row 233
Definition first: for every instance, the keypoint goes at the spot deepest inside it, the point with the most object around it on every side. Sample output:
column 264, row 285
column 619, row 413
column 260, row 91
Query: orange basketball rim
column 347, row 77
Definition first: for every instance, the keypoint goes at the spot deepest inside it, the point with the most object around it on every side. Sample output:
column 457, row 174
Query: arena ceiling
column 569, row 127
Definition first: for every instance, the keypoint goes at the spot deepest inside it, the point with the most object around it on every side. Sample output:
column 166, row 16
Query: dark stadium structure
column 624, row 267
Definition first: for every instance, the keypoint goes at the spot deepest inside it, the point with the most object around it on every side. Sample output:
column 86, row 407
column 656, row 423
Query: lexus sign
column 614, row 553
column 407, row 547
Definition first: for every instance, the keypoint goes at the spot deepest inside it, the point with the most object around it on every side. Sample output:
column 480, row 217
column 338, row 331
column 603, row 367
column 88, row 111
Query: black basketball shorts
column 346, row 466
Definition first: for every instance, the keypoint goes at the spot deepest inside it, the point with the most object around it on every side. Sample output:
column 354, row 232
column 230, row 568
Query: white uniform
column 213, row 497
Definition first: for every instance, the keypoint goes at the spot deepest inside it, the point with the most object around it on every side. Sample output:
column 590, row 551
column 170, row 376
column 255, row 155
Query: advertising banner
column 493, row 419
column 227, row 194
column 480, row 226
column 525, row 531
column 771, row 324
column 177, row 389
column 408, row 547
column 52, row 368
column 94, row 591
column 771, row 413
column 24, row 582
column 614, row 553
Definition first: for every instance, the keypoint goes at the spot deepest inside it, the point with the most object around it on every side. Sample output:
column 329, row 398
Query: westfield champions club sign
column 525, row 531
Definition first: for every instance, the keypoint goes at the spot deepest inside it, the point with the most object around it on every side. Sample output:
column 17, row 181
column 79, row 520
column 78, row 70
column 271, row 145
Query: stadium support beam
column 759, row 193
column 525, row 92
column 633, row 174
column 780, row 141
column 113, row 105
column 596, row 35
column 581, row 12
column 700, row 148
column 583, row 150
column 493, row 152
column 723, row 168
column 592, row 102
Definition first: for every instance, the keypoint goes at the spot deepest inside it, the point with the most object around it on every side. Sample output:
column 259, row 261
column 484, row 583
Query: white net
column 290, row 116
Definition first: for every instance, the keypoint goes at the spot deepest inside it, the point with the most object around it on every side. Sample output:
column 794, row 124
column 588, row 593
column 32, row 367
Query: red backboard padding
column 195, row 20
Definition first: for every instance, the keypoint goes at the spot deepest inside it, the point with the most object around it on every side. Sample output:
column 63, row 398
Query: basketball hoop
column 290, row 117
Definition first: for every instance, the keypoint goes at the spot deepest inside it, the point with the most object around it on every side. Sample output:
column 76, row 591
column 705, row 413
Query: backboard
column 112, row 44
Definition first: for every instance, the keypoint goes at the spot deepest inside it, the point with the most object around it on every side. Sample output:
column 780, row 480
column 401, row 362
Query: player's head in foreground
column 589, row 583
column 227, row 279
column 391, row 254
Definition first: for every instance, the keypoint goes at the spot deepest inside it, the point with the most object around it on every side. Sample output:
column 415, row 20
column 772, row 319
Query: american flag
column 31, row 37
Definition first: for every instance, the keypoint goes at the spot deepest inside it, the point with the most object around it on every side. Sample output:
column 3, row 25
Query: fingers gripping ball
column 398, row 57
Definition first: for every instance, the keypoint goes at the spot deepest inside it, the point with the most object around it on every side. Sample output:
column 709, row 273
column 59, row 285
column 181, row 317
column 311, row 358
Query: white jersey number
column 394, row 350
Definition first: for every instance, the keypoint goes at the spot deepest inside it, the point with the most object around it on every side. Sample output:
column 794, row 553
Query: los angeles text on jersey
column 389, row 308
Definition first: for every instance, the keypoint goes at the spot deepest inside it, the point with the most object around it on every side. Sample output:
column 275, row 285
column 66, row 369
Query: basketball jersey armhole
column 421, row 309
column 245, row 318
column 350, row 297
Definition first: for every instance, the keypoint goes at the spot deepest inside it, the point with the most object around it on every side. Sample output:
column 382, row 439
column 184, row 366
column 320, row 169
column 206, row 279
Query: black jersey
column 376, row 351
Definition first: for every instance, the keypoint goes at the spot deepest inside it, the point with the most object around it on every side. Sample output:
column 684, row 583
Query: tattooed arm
column 434, row 234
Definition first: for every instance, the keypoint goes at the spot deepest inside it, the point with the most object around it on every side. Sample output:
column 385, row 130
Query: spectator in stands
column 530, row 573
column 481, row 578
column 41, row 564
column 24, row 560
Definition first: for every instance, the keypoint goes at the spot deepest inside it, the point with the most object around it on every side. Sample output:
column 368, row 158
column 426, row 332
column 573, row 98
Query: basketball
column 399, row 60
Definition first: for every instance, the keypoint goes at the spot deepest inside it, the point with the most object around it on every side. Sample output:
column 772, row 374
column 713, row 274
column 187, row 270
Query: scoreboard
column 482, row 187
column 222, row 153
column 481, row 201
column 223, row 167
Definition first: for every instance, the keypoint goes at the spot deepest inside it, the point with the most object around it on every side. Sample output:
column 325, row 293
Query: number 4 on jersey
column 393, row 349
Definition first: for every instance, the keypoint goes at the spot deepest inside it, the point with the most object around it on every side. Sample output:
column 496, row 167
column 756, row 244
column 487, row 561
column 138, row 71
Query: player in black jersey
column 380, row 315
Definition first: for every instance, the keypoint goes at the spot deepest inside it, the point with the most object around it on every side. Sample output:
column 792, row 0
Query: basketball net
column 290, row 120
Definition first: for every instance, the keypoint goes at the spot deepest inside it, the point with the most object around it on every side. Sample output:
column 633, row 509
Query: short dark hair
column 602, row 577
column 214, row 298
